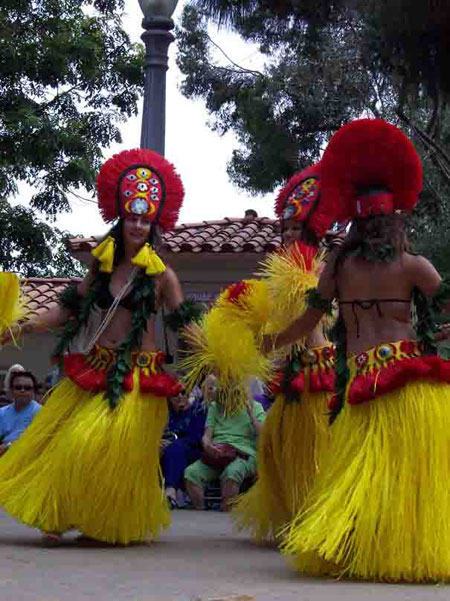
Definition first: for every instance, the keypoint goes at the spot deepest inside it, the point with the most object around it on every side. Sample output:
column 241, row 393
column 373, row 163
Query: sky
column 199, row 155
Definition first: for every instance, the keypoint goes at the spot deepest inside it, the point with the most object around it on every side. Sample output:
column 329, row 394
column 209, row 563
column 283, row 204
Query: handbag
column 227, row 455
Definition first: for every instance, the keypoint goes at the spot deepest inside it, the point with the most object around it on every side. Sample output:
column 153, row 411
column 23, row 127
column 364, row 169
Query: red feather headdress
column 140, row 182
column 369, row 168
column 299, row 199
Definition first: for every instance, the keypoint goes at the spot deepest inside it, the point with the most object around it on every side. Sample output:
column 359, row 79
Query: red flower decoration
column 235, row 291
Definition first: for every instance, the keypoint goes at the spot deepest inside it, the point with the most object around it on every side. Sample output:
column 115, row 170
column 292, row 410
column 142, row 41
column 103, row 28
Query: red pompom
column 369, row 167
column 235, row 291
column 162, row 384
column 297, row 384
column 84, row 375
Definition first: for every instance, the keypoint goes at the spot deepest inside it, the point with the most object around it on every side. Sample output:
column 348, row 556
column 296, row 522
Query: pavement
column 199, row 559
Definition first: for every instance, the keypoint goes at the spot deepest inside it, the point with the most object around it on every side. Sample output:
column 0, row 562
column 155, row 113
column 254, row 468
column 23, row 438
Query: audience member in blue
column 17, row 416
column 181, row 444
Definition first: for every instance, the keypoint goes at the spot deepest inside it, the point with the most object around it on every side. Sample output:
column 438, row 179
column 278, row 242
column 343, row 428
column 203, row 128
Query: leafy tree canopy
column 324, row 63
column 68, row 75
column 33, row 248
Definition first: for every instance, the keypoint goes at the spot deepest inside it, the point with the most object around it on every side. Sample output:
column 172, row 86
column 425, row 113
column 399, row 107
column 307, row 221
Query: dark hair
column 116, row 232
column 23, row 374
column 377, row 238
column 251, row 212
column 307, row 236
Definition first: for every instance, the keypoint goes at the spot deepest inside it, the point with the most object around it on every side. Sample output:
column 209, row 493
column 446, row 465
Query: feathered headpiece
column 140, row 182
column 299, row 199
column 369, row 168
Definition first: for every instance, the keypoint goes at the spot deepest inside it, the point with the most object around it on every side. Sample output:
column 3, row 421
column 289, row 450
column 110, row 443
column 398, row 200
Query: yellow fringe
column 13, row 307
column 380, row 506
column 291, row 443
column 227, row 349
column 148, row 259
column 252, row 309
column 104, row 253
column 287, row 281
column 82, row 465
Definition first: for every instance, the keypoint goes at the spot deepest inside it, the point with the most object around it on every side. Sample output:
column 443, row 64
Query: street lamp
column 157, row 37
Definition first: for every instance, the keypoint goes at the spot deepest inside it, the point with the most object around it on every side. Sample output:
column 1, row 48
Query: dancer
column 90, row 460
column 380, row 506
column 295, row 431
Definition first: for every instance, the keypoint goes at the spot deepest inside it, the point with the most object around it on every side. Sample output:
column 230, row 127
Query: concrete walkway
column 198, row 560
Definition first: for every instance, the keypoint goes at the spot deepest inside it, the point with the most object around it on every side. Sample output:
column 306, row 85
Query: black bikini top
column 367, row 304
column 104, row 299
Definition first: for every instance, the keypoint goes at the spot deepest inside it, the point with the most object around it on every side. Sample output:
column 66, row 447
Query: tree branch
column 241, row 69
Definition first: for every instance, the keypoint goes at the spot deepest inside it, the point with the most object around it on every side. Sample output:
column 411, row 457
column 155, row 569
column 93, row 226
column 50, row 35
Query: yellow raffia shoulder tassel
column 104, row 253
column 149, row 260
column 12, row 306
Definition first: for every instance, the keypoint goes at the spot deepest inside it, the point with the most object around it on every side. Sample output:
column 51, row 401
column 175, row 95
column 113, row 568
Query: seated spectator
column 229, row 453
column 181, row 444
column 209, row 389
column 12, row 370
column 17, row 416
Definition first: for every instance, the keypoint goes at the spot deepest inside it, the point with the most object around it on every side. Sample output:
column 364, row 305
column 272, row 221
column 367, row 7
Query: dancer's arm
column 57, row 316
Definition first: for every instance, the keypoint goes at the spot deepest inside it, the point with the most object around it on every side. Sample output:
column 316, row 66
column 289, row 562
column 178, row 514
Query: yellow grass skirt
column 291, row 442
column 83, row 465
column 380, row 506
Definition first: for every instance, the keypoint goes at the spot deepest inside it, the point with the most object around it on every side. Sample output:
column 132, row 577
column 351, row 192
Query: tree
column 33, row 248
column 68, row 76
column 325, row 63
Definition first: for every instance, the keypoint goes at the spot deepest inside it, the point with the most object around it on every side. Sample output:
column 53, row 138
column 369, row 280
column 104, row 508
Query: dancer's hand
column 3, row 449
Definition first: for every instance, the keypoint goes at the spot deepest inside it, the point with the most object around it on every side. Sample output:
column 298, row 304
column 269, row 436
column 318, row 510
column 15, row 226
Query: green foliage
column 143, row 307
column 68, row 74
column 32, row 248
column 187, row 312
column 323, row 64
column 282, row 115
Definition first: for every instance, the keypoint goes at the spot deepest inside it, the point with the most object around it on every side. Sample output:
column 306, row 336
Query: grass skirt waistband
column 83, row 465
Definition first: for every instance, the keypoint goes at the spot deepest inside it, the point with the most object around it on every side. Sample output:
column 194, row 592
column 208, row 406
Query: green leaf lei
column 142, row 306
column 314, row 300
column 340, row 367
column 187, row 312
column 292, row 369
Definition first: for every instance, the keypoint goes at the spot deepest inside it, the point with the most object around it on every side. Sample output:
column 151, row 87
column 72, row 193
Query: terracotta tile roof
column 42, row 293
column 229, row 235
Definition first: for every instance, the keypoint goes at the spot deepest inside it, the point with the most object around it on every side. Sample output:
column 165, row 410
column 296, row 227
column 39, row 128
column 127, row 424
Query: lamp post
column 157, row 38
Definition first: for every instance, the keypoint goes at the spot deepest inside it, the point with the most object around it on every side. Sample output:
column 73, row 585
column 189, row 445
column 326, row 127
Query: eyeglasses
column 25, row 388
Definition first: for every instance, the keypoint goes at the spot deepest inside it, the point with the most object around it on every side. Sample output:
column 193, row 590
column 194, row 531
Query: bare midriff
column 120, row 326
column 316, row 338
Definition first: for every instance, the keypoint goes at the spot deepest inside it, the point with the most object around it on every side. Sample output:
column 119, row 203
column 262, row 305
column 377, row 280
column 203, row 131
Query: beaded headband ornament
column 140, row 182
column 299, row 199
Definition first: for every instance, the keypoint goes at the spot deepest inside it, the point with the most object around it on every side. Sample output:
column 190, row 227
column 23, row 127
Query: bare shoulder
column 421, row 273
column 169, row 276
column 169, row 288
